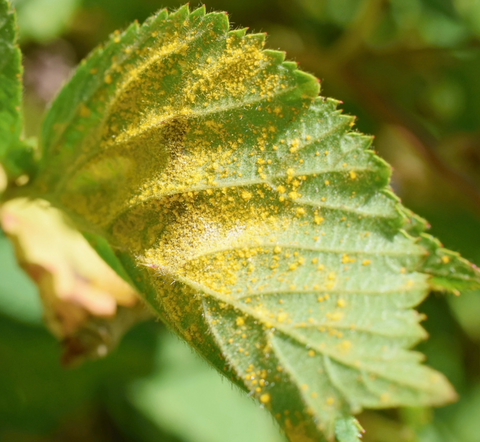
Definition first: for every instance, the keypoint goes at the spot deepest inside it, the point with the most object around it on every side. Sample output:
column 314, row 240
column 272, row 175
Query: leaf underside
column 210, row 175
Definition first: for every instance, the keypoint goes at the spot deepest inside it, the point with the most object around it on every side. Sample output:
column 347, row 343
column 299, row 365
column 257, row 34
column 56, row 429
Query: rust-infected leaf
column 209, row 174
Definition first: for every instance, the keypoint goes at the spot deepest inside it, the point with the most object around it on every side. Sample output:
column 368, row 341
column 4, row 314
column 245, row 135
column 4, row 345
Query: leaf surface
column 348, row 430
column 16, row 155
column 10, row 79
column 257, row 224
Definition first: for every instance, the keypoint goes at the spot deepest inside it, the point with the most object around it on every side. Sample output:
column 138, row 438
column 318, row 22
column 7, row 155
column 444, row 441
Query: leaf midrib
column 419, row 250
column 243, row 183
column 330, row 291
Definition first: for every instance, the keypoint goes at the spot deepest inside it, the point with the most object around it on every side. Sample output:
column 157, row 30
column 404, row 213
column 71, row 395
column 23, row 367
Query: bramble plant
column 246, row 210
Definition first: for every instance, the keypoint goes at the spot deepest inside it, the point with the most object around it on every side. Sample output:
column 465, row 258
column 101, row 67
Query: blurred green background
column 410, row 71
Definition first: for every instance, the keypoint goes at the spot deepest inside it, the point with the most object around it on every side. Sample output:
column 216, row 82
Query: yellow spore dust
column 197, row 199
column 300, row 211
column 204, row 240
column 265, row 398
column 246, row 195
column 384, row 397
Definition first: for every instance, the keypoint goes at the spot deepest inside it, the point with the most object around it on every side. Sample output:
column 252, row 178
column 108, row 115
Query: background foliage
column 409, row 71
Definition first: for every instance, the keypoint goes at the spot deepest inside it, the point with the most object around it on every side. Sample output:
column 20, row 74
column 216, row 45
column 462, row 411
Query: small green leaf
column 16, row 155
column 250, row 217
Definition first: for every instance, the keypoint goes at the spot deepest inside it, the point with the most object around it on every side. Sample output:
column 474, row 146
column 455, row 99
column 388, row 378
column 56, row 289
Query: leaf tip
column 348, row 429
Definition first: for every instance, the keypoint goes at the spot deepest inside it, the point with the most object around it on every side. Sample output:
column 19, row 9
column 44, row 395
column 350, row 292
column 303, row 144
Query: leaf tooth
column 278, row 57
column 155, row 20
column 199, row 12
column 220, row 19
column 181, row 13
column 290, row 66
column 307, row 83
column 238, row 33
column 415, row 224
column 333, row 102
column 257, row 39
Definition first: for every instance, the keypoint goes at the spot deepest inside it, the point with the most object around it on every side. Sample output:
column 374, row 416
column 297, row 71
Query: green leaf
column 348, row 430
column 16, row 155
column 250, row 216
column 10, row 79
